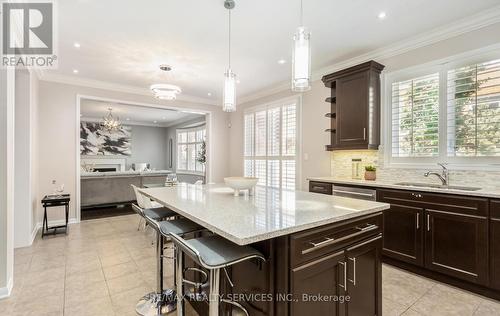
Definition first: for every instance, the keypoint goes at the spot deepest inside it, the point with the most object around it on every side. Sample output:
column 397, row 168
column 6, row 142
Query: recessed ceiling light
column 164, row 118
column 128, row 118
column 75, row 71
column 281, row 61
column 209, row 94
column 155, row 122
column 76, row 45
column 238, row 81
column 382, row 15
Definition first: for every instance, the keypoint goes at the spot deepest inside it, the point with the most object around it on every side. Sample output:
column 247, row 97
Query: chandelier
column 111, row 123
column 165, row 91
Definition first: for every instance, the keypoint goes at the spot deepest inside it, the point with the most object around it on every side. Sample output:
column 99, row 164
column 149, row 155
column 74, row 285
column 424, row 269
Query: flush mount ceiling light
column 111, row 123
column 164, row 91
column 229, row 99
column 382, row 15
column 301, row 65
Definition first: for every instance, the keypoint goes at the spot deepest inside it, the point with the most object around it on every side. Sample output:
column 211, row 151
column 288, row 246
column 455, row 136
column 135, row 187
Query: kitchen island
column 323, row 252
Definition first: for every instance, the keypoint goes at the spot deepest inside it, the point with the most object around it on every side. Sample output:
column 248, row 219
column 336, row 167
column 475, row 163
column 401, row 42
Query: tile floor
column 104, row 266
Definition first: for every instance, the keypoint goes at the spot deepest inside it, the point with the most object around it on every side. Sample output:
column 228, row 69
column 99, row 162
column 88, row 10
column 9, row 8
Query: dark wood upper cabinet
column 495, row 244
column 354, row 107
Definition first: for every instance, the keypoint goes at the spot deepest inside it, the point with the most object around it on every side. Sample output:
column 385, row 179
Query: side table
column 54, row 201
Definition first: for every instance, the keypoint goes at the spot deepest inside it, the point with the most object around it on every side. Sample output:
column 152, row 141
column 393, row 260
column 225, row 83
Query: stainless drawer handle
column 319, row 188
column 344, row 266
column 354, row 193
column 353, row 281
column 319, row 244
column 331, row 241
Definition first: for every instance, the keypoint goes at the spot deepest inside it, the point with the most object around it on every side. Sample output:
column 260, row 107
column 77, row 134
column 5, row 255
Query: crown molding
column 465, row 25
column 103, row 85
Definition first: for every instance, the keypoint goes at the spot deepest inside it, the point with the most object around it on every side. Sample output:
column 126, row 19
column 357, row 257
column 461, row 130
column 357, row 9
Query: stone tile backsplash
column 341, row 167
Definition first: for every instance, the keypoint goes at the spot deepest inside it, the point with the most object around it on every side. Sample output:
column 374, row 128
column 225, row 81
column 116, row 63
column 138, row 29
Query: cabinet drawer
column 317, row 242
column 320, row 187
column 495, row 209
column 445, row 202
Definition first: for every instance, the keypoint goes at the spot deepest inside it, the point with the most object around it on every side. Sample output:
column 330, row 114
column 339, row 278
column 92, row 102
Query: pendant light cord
column 301, row 13
column 229, row 39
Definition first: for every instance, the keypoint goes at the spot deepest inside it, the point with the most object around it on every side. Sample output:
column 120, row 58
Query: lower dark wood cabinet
column 403, row 234
column 495, row 244
column 457, row 245
column 364, row 278
column 312, row 279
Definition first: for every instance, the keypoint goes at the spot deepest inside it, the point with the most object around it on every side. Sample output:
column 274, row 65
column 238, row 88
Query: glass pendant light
column 301, row 65
column 229, row 99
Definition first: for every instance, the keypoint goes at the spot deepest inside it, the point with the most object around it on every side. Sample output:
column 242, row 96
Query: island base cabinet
column 364, row 278
column 456, row 245
column 353, row 278
column 315, row 285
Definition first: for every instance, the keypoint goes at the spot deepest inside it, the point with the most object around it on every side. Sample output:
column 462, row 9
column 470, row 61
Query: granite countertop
column 268, row 214
column 124, row 173
column 491, row 192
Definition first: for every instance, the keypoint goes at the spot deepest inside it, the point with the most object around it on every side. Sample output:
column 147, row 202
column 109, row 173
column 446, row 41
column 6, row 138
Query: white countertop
column 268, row 214
column 491, row 192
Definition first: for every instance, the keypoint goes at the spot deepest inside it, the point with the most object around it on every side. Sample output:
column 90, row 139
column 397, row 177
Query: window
column 270, row 149
column 474, row 110
column 449, row 112
column 189, row 145
column 415, row 117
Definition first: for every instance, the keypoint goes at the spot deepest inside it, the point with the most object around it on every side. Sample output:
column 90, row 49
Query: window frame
column 442, row 67
column 178, row 144
column 297, row 99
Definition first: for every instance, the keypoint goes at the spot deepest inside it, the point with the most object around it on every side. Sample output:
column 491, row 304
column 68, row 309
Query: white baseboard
column 38, row 226
column 5, row 291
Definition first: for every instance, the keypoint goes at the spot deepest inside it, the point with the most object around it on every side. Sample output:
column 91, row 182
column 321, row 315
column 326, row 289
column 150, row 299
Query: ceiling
column 123, row 42
column 93, row 110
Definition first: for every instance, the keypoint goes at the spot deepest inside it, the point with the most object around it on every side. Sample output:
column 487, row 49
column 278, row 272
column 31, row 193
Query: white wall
column 314, row 123
column 23, row 171
column 58, row 133
column 7, row 99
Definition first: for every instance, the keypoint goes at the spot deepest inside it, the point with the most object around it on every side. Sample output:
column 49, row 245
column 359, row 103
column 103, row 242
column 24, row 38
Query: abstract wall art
column 97, row 141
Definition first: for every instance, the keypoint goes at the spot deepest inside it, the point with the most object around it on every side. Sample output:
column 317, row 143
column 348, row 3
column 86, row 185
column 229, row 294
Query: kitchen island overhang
column 316, row 246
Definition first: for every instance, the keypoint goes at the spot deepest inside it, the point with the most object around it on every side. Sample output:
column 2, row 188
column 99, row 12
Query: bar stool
column 212, row 253
column 144, row 202
column 161, row 302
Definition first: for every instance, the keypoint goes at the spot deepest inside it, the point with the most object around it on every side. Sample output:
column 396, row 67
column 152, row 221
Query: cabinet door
column 352, row 116
column 495, row 244
column 364, row 278
column 457, row 245
column 403, row 234
column 325, row 276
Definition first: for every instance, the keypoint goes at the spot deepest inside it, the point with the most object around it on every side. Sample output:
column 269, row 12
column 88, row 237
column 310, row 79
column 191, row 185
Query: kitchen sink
column 437, row 186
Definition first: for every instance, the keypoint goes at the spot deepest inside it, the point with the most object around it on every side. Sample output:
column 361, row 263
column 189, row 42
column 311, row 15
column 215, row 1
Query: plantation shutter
column 473, row 106
column 270, row 145
column 415, row 117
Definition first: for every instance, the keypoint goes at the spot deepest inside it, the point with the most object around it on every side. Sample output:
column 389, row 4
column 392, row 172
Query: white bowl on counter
column 241, row 183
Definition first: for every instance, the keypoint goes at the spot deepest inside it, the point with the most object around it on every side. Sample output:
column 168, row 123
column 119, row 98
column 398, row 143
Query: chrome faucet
column 444, row 176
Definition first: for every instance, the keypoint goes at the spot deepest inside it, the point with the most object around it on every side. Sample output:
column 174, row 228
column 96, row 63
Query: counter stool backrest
column 143, row 201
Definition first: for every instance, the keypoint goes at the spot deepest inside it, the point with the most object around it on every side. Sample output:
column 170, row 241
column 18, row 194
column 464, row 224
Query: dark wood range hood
column 354, row 107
